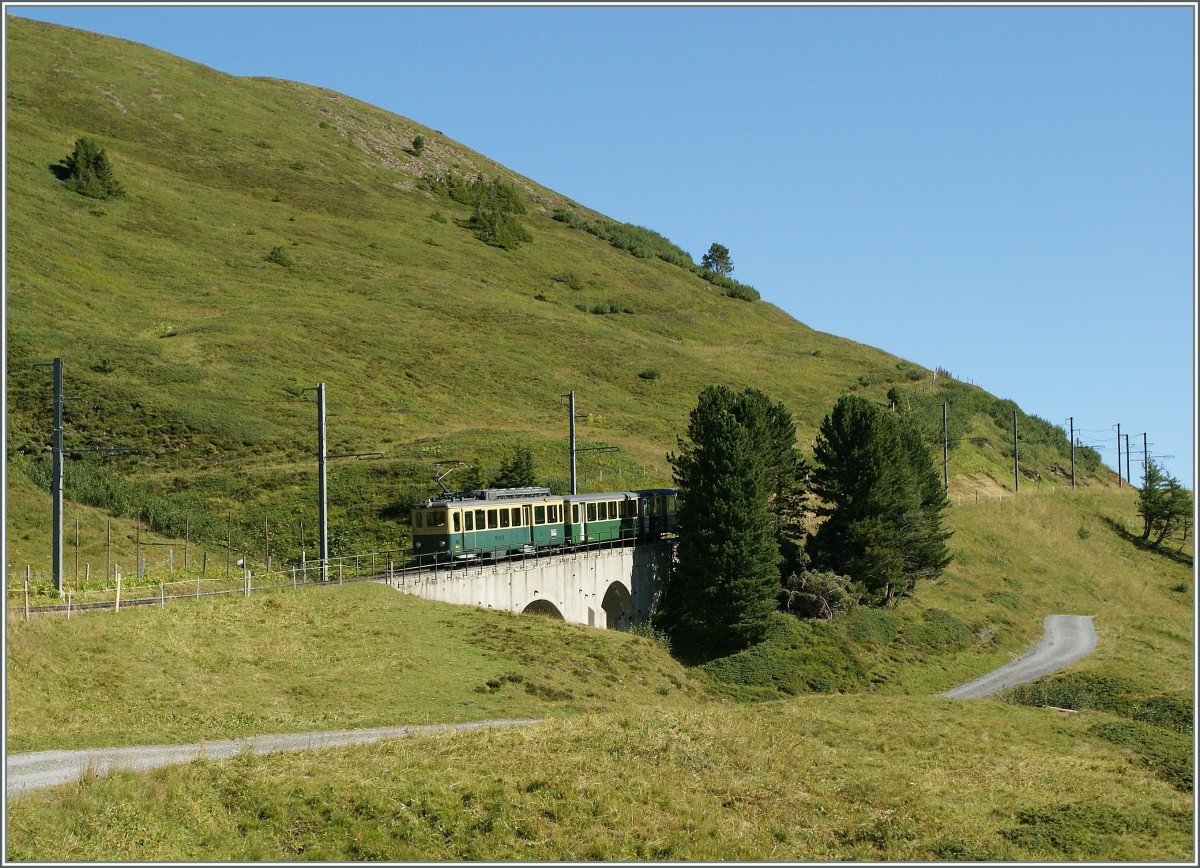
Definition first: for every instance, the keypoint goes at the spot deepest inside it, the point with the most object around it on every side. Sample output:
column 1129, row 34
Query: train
column 498, row 522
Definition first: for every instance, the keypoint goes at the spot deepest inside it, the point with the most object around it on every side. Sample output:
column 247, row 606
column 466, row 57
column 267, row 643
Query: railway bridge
column 612, row 585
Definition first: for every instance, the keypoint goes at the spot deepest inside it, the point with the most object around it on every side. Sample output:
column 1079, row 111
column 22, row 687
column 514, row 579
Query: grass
column 823, row 743
column 353, row 656
column 190, row 346
column 853, row 777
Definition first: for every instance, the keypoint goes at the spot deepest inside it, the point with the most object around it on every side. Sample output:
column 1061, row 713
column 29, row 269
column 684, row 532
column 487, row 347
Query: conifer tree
column 882, row 500
column 1164, row 505
column 516, row 471
column 723, row 592
column 89, row 172
column 717, row 260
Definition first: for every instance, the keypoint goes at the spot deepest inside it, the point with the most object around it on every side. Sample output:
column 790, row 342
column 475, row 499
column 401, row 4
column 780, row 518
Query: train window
column 504, row 518
column 552, row 516
column 468, row 519
column 591, row 511
column 602, row 511
column 436, row 518
column 612, row 509
column 516, row 516
column 574, row 513
column 457, row 521
column 539, row 515
column 418, row 518
column 491, row 519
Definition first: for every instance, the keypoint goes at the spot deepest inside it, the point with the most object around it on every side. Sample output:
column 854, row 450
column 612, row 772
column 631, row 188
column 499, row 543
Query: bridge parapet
column 613, row 586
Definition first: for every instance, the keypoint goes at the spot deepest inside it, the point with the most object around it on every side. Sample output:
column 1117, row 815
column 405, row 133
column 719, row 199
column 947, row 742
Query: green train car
column 502, row 521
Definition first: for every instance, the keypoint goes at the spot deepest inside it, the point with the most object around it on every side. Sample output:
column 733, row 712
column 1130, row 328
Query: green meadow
column 274, row 236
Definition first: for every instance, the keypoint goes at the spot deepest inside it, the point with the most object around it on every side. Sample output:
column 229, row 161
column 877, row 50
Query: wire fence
column 35, row 595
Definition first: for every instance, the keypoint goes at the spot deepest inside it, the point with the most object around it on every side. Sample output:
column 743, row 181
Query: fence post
column 68, row 605
column 27, row 593
column 117, row 604
column 162, row 597
column 293, row 577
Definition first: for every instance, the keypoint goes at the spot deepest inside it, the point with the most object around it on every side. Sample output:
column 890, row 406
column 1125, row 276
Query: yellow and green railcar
column 502, row 521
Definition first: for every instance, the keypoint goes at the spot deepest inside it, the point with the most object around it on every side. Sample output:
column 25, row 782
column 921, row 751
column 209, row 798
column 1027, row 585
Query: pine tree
column 723, row 592
column 883, row 502
column 516, row 471
column 89, row 172
column 1164, row 505
column 717, row 260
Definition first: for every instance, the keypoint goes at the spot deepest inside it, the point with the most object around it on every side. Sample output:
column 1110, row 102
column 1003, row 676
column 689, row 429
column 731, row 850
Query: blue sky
column 1006, row 192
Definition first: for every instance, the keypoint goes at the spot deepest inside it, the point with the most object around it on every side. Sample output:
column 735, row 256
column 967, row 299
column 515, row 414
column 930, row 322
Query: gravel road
column 31, row 771
column 1067, row 638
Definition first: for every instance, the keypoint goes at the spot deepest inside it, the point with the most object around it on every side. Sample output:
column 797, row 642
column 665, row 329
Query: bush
column 794, row 657
column 280, row 257
column 939, row 631
column 822, row 595
column 649, row 374
column 89, row 173
column 875, row 625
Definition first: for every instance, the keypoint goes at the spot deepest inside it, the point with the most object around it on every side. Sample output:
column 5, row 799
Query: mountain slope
column 188, row 339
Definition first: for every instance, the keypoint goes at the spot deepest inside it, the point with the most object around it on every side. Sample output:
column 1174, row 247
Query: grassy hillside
column 274, row 236
column 639, row 758
column 184, row 336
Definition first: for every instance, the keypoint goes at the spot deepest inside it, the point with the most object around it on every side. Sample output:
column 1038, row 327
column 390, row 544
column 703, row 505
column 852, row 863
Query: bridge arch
column 543, row 607
column 618, row 607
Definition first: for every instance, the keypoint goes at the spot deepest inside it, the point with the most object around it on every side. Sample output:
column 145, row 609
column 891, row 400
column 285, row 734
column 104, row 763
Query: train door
column 573, row 522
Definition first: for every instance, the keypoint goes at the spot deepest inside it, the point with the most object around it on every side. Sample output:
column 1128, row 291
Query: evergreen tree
column 723, row 592
column 717, row 259
column 516, row 471
column 1164, row 505
column 89, row 172
column 882, row 500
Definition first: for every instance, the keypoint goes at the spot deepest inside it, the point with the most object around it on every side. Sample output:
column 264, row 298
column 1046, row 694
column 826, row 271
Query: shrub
column 821, row 595
column 794, row 657
column 649, row 374
column 418, row 145
column 939, row 631
column 280, row 257
column 874, row 625
column 89, row 173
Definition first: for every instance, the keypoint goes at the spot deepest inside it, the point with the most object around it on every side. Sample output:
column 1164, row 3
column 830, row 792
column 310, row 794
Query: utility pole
column 574, row 450
column 1128, row 477
column 945, row 448
column 1145, row 462
column 56, row 482
column 322, row 491
column 1072, row 452
column 571, row 410
column 1118, row 455
column 1016, row 474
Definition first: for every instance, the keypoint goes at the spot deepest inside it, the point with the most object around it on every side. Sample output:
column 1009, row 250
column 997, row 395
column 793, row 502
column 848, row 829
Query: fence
column 28, row 597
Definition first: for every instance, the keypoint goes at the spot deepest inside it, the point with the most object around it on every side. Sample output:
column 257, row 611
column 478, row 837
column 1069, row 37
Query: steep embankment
column 274, row 236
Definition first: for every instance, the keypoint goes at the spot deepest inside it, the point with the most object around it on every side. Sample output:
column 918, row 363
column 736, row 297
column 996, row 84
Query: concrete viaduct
column 608, row 586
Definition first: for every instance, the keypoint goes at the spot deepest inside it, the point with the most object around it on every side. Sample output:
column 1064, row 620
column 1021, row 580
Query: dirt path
column 31, row 771
column 1067, row 638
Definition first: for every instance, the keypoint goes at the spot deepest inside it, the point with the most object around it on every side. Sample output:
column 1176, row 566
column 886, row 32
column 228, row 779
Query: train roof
column 477, row 496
